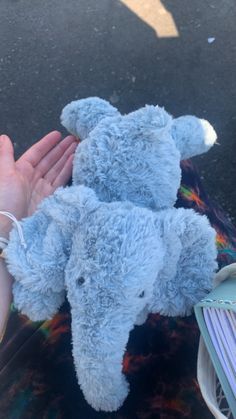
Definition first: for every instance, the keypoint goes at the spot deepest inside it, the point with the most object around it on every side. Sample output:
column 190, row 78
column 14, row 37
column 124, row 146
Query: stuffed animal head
column 117, row 262
column 123, row 266
column 134, row 157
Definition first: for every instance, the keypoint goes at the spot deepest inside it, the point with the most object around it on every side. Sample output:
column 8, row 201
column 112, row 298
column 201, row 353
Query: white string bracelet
column 3, row 241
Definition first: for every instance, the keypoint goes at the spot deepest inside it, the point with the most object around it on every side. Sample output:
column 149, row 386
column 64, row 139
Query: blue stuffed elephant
column 113, row 242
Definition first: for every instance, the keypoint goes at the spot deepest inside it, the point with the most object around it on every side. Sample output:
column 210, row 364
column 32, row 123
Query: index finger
column 41, row 148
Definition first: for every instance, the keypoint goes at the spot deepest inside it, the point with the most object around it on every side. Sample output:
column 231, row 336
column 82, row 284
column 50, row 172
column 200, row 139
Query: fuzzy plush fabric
column 189, row 262
column 116, row 258
column 123, row 261
column 192, row 136
column 134, row 157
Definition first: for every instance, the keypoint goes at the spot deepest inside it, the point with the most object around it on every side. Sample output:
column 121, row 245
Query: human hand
column 38, row 172
column 23, row 184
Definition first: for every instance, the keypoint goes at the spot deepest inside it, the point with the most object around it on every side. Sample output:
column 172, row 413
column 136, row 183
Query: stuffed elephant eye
column 142, row 294
column 80, row 281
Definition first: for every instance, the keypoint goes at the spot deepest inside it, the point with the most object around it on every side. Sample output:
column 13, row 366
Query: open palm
column 38, row 172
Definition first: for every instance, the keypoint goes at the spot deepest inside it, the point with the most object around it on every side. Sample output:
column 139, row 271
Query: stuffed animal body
column 135, row 157
column 113, row 242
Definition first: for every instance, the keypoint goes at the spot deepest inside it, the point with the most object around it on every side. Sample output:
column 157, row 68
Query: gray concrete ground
column 130, row 52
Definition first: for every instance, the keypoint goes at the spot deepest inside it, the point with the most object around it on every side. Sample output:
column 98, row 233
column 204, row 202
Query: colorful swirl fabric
column 37, row 375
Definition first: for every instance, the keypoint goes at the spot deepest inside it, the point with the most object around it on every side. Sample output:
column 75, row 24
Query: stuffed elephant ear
column 190, row 262
column 80, row 117
column 38, row 269
column 192, row 136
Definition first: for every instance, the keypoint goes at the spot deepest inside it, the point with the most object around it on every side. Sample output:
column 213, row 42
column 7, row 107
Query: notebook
column 216, row 317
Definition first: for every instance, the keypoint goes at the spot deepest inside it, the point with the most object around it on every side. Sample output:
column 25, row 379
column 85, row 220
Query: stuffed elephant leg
column 80, row 117
column 192, row 136
column 189, row 264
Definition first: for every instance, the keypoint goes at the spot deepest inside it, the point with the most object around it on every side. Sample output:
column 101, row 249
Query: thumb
column 6, row 153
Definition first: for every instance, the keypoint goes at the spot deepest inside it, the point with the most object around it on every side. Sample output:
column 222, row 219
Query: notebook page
column 216, row 326
column 220, row 328
column 229, row 333
column 213, row 335
column 232, row 319
column 227, row 343
column 225, row 334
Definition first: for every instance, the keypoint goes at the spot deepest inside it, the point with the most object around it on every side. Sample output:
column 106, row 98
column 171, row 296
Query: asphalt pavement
column 180, row 54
